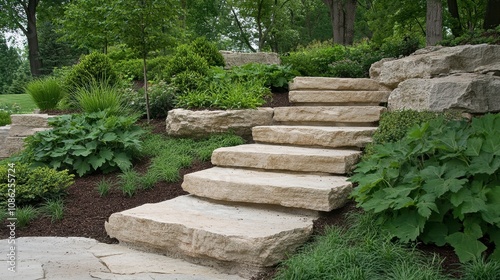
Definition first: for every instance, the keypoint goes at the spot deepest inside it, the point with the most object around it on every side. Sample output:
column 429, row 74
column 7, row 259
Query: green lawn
column 23, row 100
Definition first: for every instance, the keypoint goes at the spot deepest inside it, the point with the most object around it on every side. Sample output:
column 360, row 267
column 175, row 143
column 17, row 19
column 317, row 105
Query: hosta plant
column 440, row 184
column 87, row 142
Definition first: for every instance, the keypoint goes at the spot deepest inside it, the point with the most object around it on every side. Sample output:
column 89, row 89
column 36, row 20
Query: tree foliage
column 9, row 63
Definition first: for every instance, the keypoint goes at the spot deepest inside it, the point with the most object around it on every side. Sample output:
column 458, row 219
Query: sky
column 15, row 39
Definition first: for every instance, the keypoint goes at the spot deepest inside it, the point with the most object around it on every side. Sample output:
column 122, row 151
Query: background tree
column 492, row 14
column 21, row 15
column 9, row 63
column 342, row 15
column 434, row 22
column 88, row 24
column 148, row 25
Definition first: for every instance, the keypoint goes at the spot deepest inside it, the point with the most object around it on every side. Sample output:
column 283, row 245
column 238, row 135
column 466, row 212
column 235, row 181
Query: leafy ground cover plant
column 25, row 214
column 439, row 184
column 35, row 185
column 84, row 143
column 364, row 251
column 46, row 93
column 4, row 118
column 272, row 75
column 54, row 208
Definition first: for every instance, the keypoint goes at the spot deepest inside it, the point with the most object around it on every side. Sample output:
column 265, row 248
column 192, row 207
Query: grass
column 23, row 100
column 481, row 270
column 54, row 209
column 103, row 187
column 129, row 182
column 46, row 93
column 169, row 155
column 363, row 251
column 99, row 97
column 25, row 215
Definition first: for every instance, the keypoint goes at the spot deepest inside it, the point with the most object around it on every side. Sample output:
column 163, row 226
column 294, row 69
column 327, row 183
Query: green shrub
column 161, row 100
column 438, row 184
column 275, row 76
column 478, row 36
column 226, row 95
column 184, row 60
column 93, row 67
column 314, row 60
column 84, row 143
column 481, row 270
column 100, row 97
column 208, row 51
column 131, row 69
column 4, row 118
column 46, row 93
column 396, row 47
column 34, row 185
column 157, row 67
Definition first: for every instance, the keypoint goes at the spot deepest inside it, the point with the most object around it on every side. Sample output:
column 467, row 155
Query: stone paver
column 58, row 258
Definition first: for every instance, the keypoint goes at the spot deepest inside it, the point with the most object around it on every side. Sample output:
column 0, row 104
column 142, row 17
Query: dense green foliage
column 363, row 251
column 93, row 67
column 9, row 63
column 161, row 100
column 46, row 93
column 185, row 60
column 272, row 75
column 4, row 118
column 86, row 143
column 100, row 97
column 33, row 185
column 208, row 51
column 438, row 184
column 324, row 59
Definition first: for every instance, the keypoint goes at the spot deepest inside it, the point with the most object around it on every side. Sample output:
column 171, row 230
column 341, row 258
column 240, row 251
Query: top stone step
column 322, row 83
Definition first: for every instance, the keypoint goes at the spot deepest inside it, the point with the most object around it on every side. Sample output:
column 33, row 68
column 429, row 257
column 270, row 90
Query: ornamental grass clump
column 46, row 93
column 439, row 184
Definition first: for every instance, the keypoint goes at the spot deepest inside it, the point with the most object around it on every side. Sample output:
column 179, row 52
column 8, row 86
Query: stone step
column 276, row 157
column 322, row 136
column 329, row 115
column 11, row 145
column 237, row 239
column 333, row 97
column 322, row 83
column 22, row 130
column 33, row 120
column 296, row 190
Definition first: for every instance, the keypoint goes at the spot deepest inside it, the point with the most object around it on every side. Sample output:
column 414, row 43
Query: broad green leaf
column 92, row 145
column 467, row 247
column 96, row 161
column 473, row 205
column 122, row 161
column 426, row 205
column 107, row 154
column 56, row 164
column 82, row 168
column 406, row 226
column 82, row 152
column 484, row 163
column 459, row 197
column 435, row 233
column 108, row 137
column 474, row 146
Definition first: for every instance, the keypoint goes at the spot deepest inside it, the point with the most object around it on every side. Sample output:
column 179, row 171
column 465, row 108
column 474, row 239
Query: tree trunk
column 434, row 22
column 342, row 15
column 32, row 37
column 456, row 25
column 349, row 20
column 492, row 14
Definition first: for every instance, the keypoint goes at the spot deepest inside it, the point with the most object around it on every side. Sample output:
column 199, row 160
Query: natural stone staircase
column 259, row 203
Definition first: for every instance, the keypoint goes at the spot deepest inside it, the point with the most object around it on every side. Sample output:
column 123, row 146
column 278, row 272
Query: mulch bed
column 86, row 211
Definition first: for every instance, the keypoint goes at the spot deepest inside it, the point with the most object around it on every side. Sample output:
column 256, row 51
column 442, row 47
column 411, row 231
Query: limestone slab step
column 325, row 115
column 276, row 157
column 22, row 130
column 306, row 191
column 332, row 97
column 322, row 83
column 235, row 238
column 323, row 136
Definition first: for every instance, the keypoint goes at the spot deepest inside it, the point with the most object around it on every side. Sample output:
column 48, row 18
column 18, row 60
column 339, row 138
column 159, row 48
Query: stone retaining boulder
column 468, row 92
column 238, row 58
column 436, row 61
column 187, row 123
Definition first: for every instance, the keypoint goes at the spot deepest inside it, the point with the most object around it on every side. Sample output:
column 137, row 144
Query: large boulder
column 467, row 92
column 238, row 58
column 181, row 122
column 429, row 63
